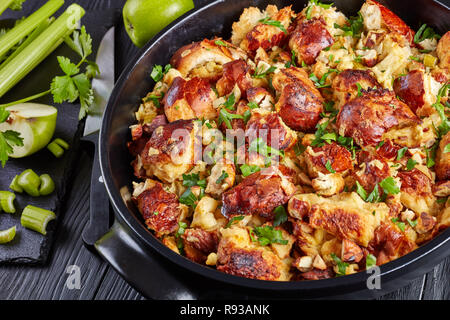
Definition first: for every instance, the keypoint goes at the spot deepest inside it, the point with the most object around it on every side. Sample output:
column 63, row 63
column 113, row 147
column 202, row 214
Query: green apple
column 36, row 124
column 143, row 19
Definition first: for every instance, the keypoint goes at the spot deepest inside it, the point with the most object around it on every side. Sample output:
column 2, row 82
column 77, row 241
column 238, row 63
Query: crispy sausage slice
column 367, row 118
column 259, row 193
column 316, row 158
column 345, row 84
column 189, row 99
column 159, row 208
column 309, row 38
column 300, row 103
column 170, row 151
column 234, row 72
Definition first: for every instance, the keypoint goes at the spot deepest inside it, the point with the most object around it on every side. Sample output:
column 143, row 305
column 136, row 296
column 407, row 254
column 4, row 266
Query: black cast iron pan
column 158, row 272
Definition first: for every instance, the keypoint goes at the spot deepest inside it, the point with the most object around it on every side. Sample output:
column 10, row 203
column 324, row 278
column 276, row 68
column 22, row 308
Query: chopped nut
column 303, row 264
column 318, row 263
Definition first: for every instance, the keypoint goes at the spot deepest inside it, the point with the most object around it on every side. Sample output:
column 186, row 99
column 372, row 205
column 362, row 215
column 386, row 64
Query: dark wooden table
column 98, row 279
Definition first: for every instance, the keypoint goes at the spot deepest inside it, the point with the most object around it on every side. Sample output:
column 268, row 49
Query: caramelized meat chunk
column 373, row 169
column 367, row 118
column 259, row 193
column 198, row 244
column 339, row 158
column 159, row 208
column 170, row 151
column 309, row 38
column 300, row 103
column 269, row 125
column 189, row 99
column 234, row 73
column 267, row 36
column 345, row 84
column 389, row 243
column 418, row 90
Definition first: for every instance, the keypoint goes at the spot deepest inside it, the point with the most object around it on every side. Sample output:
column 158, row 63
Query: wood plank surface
column 98, row 279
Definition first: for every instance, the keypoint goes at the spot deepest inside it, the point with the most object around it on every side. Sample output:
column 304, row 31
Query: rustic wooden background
column 98, row 279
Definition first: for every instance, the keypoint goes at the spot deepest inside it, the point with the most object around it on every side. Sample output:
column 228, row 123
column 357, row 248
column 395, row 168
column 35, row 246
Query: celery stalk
column 40, row 48
column 36, row 32
column 4, row 5
column 7, row 235
column 20, row 31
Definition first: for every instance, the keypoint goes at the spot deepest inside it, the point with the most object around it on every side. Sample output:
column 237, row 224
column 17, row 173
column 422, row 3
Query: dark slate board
column 30, row 247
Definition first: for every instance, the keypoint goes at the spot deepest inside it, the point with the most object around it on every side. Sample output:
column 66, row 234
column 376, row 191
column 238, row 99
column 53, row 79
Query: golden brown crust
column 442, row 51
column 367, row 118
column 259, row 193
column 345, row 84
column 198, row 54
column 316, row 159
column 309, row 38
column 235, row 72
column 389, row 243
column 170, row 151
column 189, row 99
column 269, row 124
column 300, row 103
column 373, row 169
column 393, row 22
column 159, row 208
column 443, row 159
column 267, row 36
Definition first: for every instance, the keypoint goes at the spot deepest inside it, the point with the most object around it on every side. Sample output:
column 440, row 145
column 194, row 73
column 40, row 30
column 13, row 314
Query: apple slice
column 36, row 124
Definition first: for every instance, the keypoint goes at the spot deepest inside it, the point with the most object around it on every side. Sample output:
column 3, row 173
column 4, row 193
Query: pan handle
column 142, row 268
column 99, row 216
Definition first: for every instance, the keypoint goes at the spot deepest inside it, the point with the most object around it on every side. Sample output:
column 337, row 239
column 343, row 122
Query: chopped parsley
column 247, row 169
column 188, row 198
column 401, row 153
column 191, row 180
column 342, row 266
column 220, row 43
column 399, row 224
column 231, row 100
column 410, row 164
column 158, row 72
column 222, row 177
column 371, row 261
column 268, row 235
column 274, row 23
column 280, row 216
column 258, row 74
column 390, row 186
column 226, row 117
column 233, row 220
column 447, row 148
column 329, row 167
column 258, row 145
column 8, row 138
column 359, row 89
column 354, row 27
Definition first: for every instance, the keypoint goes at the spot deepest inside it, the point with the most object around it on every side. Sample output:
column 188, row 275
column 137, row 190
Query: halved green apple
column 36, row 124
